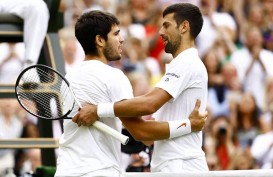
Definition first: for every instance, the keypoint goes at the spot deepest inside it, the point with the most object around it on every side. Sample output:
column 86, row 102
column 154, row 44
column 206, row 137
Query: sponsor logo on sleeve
column 172, row 74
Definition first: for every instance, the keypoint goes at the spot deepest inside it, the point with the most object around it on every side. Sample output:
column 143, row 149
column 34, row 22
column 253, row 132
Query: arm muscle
column 142, row 105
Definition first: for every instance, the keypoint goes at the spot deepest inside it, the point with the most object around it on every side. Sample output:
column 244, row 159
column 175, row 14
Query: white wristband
column 179, row 127
column 106, row 110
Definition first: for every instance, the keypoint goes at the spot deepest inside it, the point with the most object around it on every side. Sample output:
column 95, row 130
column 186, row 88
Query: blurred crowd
column 236, row 46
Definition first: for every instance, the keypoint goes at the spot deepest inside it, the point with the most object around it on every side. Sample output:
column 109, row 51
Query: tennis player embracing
column 85, row 151
column 173, row 98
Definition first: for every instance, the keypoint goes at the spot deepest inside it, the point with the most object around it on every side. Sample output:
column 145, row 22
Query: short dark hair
column 93, row 23
column 189, row 12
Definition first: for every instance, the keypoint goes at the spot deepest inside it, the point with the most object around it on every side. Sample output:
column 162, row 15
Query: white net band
column 226, row 173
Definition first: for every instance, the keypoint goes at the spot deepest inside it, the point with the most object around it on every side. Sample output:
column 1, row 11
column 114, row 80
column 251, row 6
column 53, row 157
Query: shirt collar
column 188, row 52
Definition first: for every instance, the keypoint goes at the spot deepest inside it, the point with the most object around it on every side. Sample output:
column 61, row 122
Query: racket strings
column 42, row 92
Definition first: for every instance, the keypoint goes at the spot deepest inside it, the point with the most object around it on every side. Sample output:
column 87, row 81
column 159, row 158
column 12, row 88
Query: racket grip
column 106, row 129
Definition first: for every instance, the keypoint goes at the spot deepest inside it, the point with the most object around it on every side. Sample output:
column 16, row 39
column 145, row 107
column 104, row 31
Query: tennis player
column 173, row 97
column 84, row 151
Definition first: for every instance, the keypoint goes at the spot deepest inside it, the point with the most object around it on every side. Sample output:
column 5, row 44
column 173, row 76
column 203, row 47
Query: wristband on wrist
column 106, row 110
column 179, row 127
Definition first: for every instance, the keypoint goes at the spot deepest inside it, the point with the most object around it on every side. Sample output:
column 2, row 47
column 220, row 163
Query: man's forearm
column 146, row 130
column 139, row 106
column 149, row 130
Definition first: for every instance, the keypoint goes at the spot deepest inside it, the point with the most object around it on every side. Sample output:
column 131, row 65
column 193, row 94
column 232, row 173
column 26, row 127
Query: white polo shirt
column 85, row 149
column 186, row 80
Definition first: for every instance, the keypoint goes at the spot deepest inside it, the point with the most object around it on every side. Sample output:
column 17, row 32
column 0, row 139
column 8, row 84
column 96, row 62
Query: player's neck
column 95, row 57
column 184, row 47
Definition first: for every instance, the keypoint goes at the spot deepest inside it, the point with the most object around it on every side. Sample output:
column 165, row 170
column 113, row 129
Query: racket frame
column 59, row 74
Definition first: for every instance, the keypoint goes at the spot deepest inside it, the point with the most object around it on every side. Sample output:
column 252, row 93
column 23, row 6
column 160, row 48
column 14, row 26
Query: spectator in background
column 253, row 13
column 220, row 96
column 152, row 27
column 268, row 104
column 262, row 149
column 215, row 80
column 268, row 43
column 214, row 67
column 35, row 15
column 71, row 49
column 254, row 64
column 23, row 156
column 127, row 27
column 32, row 162
column 268, row 16
column 136, row 51
column 249, row 121
column 103, row 5
column 254, row 17
column 141, row 10
column 215, row 23
column 9, row 60
column 220, row 142
column 10, row 127
column 242, row 160
column 70, row 53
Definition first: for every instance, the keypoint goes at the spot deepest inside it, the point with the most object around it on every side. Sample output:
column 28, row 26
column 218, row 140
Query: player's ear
column 100, row 40
column 184, row 26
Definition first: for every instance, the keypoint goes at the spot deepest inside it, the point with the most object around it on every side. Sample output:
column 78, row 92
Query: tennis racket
column 46, row 94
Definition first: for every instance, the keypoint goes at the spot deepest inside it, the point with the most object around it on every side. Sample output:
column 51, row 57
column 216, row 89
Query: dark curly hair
column 189, row 12
column 93, row 23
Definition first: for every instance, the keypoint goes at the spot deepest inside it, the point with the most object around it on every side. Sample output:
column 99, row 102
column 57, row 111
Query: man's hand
column 197, row 119
column 86, row 116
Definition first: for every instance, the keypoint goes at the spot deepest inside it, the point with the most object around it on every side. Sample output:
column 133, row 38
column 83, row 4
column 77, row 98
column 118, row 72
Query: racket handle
column 106, row 129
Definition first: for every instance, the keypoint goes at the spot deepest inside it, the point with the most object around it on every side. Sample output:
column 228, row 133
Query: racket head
column 44, row 92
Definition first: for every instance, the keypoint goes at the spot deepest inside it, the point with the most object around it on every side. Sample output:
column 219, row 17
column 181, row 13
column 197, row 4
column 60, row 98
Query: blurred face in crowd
column 247, row 103
column 208, row 6
column 229, row 73
column 69, row 50
column 256, row 15
column 113, row 46
column 268, row 5
column 211, row 61
column 170, row 34
column 8, row 106
column 254, row 38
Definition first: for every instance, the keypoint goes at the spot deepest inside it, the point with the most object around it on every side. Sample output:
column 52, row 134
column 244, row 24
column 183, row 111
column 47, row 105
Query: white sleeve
column 174, row 81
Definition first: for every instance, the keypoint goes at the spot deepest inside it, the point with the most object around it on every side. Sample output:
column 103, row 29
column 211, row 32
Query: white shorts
column 180, row 165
